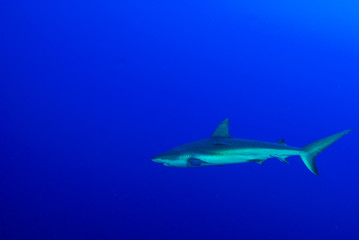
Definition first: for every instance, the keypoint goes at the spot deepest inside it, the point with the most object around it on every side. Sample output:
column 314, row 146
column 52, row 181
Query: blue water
column 91, row 90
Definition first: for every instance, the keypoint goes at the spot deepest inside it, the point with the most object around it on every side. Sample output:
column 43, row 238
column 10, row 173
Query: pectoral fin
column 195, row 162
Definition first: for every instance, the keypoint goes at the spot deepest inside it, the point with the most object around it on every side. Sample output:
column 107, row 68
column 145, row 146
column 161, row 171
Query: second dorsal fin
column 222, row 130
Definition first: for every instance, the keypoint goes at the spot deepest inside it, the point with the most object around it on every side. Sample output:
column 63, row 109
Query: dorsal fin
column 282, row 141
column 222, row 130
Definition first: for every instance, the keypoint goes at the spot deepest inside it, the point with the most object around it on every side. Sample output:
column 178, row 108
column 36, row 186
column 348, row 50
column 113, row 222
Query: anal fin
column 259, row 161
column 280, row 158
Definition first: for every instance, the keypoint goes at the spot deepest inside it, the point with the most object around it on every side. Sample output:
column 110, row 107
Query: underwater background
column 91, row 90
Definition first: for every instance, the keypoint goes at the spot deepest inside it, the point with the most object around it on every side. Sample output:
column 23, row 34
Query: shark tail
column 311, row 150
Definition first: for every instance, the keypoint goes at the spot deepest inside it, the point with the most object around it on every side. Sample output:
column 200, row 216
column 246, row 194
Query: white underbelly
column 225, row 161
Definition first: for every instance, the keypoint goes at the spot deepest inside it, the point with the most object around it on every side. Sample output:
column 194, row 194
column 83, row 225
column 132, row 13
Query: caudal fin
column 311, row 150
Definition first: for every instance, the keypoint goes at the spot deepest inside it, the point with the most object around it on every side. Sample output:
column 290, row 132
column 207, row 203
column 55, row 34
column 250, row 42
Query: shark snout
column 158, row 159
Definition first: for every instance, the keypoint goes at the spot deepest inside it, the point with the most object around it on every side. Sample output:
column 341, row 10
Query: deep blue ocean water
column 91, row 90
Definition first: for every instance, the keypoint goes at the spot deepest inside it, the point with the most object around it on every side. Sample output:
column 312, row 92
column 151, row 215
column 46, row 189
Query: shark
column 222, row 149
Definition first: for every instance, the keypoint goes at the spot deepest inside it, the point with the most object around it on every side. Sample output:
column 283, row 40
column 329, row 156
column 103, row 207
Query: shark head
column 192, row 154
column 172, row 158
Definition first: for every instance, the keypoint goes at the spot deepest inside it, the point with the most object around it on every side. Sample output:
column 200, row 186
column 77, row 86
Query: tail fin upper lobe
column 311, row 150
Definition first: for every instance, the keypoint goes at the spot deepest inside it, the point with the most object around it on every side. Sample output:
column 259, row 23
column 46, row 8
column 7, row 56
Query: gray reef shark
column 221, row 149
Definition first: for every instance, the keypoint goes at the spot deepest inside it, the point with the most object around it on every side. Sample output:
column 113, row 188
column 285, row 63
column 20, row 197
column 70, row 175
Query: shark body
column 222, row 149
